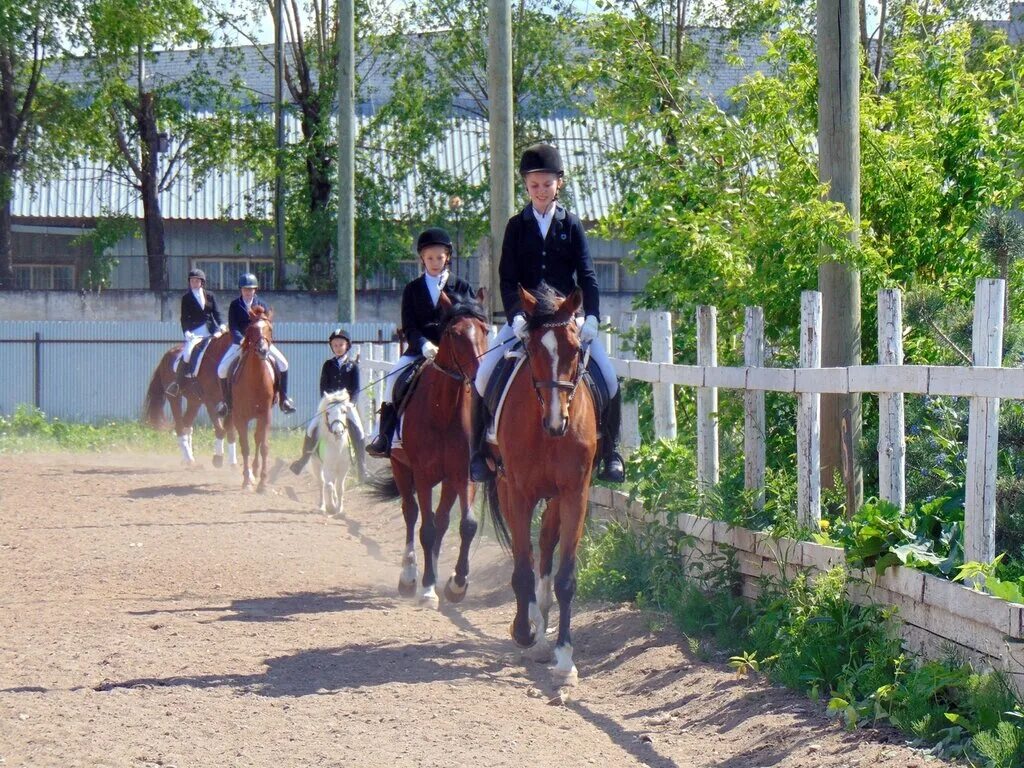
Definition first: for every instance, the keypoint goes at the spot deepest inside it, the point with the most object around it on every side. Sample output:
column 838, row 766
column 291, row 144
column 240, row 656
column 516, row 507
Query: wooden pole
column 630, row 409
column 892, row 442
column 500, row 125
column 345, row 260
column 753, row 408
column 707, row 401
column 808, row 426
column 983, row 429
column 664, row 394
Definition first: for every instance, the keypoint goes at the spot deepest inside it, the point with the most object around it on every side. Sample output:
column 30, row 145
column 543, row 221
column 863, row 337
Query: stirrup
column 479, row 470
column 612, row 469
column 287, row 406
column 173, row 390
column 379, row 447
column 222, row 409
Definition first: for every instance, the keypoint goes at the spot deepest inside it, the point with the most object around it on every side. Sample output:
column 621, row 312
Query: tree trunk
column 153, row 221
column 839, row 167
column 318, row 168
column 6, row 246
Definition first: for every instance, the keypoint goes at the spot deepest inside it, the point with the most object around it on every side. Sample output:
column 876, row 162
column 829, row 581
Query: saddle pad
column 200, row 352
column 405, row 384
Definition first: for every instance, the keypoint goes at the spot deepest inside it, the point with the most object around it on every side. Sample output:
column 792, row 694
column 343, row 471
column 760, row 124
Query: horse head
column 463, row 334
column 553, row 352
column 334, row 409
column 260, row 333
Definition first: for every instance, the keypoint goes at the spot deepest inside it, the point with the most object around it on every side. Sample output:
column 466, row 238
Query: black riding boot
column 308, row 446
column 177, row 387
column 282, row 387
column 359, row 446
column 224, row 406
column 479, row 470
column 612, row 469
column 380, row 446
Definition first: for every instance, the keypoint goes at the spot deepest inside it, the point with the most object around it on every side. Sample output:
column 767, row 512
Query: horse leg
column 403, row 479
column 517, row 511
column 188, row 419
column 572, row 518
column 232, row 436
column 545, row 592
column 263, row 446
column 428, row 534
column 457, row 584
column 218, row 435
column 442, row 517
column 243, row 438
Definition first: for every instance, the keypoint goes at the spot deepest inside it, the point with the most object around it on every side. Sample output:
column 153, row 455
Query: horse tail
column 153, row 404
column 494, row 510
column 383, row 487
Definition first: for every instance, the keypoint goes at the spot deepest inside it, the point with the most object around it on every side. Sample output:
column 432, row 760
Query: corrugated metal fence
column 93, row 371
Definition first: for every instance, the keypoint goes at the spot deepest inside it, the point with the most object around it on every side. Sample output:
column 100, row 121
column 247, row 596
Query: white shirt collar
column 200, row 297
column 435, row 285
column 544, row 219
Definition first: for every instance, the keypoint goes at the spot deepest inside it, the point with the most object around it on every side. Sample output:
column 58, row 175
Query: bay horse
column 547, row 452
column 436, row 435
column 252, row 395
column 203, row 390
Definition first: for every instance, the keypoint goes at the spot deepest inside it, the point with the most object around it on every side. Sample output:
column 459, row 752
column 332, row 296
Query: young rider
column 339, row 372
column 238, row 320
column 545, row 242
column 200, row 318
column 421, row 322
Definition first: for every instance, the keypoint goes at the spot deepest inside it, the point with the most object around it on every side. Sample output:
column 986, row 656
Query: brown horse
column 546, row 452
column 252, row 395
column 204, row 389
column 435, row 448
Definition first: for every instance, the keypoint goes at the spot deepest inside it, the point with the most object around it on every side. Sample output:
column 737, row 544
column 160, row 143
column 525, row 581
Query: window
column 394, row 280
column 224, row 273
column 607, row 275
column 54, row 277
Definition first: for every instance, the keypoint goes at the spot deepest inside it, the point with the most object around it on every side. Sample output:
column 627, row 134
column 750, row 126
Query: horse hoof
column 429, row 599
column 218, row 461
column 406, row 588
column 452, row 593
column 563, row 679
column 521, row 642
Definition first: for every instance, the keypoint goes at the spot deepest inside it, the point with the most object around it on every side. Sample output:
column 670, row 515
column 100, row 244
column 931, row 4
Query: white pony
column 332, row 457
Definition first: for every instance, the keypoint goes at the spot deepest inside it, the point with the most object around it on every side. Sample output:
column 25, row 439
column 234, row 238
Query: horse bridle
column 342, row 420
column 571, row 386
column 460, row 375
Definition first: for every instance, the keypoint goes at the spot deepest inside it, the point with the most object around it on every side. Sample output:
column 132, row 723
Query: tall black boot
column 612, row 470
column 177, row 387
column 479, row 470
column 224, row 406
column 380, row 446
column 308, row 446
column 282, row 387
column 359, row 446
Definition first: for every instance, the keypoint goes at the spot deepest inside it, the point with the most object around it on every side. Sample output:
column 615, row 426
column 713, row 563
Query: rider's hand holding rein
column 589, row 329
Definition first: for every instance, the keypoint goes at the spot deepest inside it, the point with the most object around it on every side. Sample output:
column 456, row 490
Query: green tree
column 147, row 128
column 34, row 130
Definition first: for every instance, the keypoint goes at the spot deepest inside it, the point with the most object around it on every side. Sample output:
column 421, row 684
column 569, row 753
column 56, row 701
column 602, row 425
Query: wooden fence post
column 753, row 407
column 664, row 394
column 983, row 430
column 630, row 409
column 707, row 400
column 808, row 424
column 892, row 442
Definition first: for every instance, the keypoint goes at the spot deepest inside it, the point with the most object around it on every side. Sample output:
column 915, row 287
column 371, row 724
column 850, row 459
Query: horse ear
column 573, row 301
column 444, row 302
column 481, row 295
column 529, row 302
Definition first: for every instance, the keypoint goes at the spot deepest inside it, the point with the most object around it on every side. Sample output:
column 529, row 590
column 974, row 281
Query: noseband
column 559, row 384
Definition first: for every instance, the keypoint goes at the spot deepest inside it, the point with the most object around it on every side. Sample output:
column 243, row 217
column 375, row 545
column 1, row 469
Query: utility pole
column 499, row 98
column 839, row 167
column 345, row 258
column 279, row 144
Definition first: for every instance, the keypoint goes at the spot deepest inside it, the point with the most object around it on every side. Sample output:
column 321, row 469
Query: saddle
column 504, row 372
column 405, row 384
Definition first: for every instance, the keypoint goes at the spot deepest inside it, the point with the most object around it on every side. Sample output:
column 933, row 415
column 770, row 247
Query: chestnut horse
column 202, row 390
column 436, row 431
column 252, row 396
column 546, row 451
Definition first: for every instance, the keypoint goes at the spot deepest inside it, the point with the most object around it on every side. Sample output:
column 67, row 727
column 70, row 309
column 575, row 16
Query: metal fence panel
column 95, row 371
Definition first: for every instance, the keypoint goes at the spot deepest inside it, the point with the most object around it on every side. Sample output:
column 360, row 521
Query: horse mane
column 464, row 304
column 332, row 398
column 260, row 313
column 549, row 300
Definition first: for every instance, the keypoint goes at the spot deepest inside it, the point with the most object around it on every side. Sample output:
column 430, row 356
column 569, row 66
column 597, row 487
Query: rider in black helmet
column 200, row 318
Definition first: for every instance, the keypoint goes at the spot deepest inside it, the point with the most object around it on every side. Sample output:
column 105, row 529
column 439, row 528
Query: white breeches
column 394, row 373
column 192, row 339
column 490, row 360
column 355, row 424
column 234, row 350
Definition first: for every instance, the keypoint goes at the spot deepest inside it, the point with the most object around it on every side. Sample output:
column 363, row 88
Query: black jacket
column 192, row 315
column 238, row 317
column 562, row 259
column 338, row 374
column 421, row 320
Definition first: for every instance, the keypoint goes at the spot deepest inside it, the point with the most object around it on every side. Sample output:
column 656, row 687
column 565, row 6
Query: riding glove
column 589, row 330
column 519, row 327
column 429, row 350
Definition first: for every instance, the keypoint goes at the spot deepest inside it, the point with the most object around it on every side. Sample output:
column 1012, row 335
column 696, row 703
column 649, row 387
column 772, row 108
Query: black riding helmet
column 541, row 157
column 434, row 236
column 196, row 272
column 339, row 333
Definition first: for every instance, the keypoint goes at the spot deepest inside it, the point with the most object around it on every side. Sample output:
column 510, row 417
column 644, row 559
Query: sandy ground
column 153, row 617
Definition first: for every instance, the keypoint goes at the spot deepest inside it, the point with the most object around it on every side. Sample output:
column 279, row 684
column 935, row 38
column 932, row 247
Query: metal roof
column 86, row 190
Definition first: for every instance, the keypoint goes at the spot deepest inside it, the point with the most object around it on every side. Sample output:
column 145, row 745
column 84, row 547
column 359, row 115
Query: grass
column 29, row 430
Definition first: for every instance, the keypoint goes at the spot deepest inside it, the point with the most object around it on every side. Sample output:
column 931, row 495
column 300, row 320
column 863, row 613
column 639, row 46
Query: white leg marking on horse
column 429, row 597
column 233, row 454
column 454, row 587
column 218, row 446
column 545, row 596
column 550, row 343
column 409, row 566
column 564, row 668
column 186, row 448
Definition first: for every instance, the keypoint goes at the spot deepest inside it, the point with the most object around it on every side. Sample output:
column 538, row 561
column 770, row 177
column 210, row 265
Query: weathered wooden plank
column 892, row 442
column 630, row 430
column 827, row 380
column 641, row 370
column 911, row 379
column 771, row 379
column 754, row 440
column 808, row 432
column 725, row 377
column 664, row 394
column 707, row 401
column 682, row 375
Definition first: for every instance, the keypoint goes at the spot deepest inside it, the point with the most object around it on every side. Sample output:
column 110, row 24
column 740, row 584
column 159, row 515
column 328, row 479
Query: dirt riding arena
column 150, row 617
